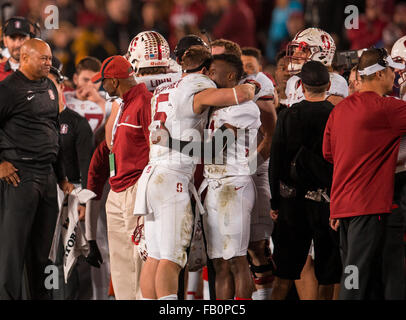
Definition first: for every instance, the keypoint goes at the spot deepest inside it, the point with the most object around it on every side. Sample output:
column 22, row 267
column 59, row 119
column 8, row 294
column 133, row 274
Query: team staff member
column 129, row 156
column 363, row 148
column 303, row 215
column 76, row 135
column 77, row 146
column 29, row 153
column 16, row 32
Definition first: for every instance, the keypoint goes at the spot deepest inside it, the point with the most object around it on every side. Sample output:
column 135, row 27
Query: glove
column 94, row 257
column 255, row 83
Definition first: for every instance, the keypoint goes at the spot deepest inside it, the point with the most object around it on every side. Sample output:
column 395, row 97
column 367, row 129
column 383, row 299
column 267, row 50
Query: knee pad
column 270, row 266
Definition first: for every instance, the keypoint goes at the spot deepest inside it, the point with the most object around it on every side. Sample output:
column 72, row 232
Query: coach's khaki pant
column 125, row 262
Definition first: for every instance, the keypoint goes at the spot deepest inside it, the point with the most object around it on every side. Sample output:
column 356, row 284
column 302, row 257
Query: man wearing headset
column 16, row 31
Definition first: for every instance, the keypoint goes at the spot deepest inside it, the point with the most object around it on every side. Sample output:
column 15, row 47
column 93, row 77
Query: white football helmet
column 398, row 54
column 148, row 49
column 310, row 44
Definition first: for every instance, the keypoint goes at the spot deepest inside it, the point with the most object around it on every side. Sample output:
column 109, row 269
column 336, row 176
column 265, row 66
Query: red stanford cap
column 116, row 67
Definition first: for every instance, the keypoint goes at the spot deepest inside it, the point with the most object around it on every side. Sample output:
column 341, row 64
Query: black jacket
column 29, row 128
column 77, row 145
column 300, row 126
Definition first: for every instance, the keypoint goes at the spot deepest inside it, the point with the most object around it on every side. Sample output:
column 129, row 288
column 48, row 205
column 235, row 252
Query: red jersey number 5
column 159, row 114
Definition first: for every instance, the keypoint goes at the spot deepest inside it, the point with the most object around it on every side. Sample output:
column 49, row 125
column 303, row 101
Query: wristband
column 235, row 96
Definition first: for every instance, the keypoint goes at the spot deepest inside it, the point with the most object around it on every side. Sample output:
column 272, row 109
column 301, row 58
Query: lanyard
column 116, row 123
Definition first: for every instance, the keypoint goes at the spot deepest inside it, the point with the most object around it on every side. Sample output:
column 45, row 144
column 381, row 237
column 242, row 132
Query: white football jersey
column 267, row 87
column 294, row 90
column 173, row 105
column 93, row 113
column 154, row 80
column 235, row 162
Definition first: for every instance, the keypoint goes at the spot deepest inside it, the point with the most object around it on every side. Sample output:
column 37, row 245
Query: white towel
column 68, row 226
column 141, row 206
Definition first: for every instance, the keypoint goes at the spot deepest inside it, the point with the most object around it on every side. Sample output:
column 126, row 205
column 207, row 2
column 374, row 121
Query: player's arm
column 213, row 97
column 268, row 124
column 162, row 137
column 268, row 103
column 110, row 123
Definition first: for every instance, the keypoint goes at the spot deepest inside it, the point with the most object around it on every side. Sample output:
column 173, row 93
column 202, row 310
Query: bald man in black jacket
column 30, row 167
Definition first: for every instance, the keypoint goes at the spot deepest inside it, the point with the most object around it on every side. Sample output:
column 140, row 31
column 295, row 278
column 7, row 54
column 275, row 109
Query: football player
column 87, row 100
column 313, row 44
column 163, row 195
column 261, row 223
column 230, row 196
column 399, row 55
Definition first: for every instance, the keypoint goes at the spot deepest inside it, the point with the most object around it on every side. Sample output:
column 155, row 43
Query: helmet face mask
column 398, row 54
column 310, row 44
column 298, row 54
column 401, row 73
column 148, row 49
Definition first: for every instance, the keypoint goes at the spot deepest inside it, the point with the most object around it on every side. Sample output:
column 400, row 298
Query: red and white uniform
column 89, row 109
column 261, row 222
column 294, row 89
column 164, row 189
column 267, row 87
column 230, row 194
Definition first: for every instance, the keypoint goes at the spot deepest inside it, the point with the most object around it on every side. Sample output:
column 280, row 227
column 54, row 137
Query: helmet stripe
column 158, row 41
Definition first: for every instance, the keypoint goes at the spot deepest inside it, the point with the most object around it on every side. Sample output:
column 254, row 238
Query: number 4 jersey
column 172, row 105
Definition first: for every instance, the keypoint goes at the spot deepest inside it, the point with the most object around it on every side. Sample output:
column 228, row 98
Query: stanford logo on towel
column 64, row 128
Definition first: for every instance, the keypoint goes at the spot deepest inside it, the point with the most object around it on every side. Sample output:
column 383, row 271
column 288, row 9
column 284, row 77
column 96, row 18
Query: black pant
column 299, row 222
column 28, row 216
column 393, row 262
column 362, row 243
column 79, row 284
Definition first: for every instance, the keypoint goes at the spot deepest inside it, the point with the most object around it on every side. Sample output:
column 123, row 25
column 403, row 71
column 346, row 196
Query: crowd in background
column 101, row 28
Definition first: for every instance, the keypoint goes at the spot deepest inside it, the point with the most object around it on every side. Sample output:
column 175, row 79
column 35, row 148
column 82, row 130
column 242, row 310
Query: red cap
column 116, row 67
